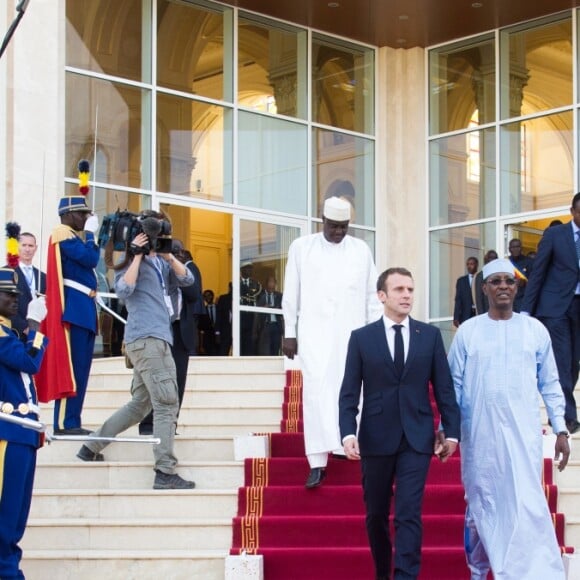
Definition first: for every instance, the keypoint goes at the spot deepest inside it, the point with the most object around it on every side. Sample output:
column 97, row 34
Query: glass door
column 260, row 255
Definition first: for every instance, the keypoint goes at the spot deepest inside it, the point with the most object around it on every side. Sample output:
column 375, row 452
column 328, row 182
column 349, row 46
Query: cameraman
column 143, row 285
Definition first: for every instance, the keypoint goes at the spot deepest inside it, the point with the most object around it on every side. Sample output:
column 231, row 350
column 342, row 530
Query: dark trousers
column 67, row 411
column 18, row 465
column 565, row 336
column 408, row 469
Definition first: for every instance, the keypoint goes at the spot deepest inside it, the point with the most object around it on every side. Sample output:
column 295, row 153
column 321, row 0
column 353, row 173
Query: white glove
column 92, row 224
column 37, row 309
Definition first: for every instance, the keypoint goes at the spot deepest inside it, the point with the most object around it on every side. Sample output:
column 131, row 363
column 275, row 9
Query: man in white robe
column 499, row 361
column 329, row 290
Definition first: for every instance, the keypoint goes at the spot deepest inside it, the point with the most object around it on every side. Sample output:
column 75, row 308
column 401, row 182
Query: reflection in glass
column 449, row 250
column 194, row 148
column 263, row 257
column 270, row 79
column 537, row 159
column 342, row 85
column 111, row 330
column 538, row 72
column 367, row 236
column 447, row 332
column 107, row 37
column 462, row 177
column 343, row 166
column 461, row 81
column 109, row 114
column 191, row 49
column 272, row 163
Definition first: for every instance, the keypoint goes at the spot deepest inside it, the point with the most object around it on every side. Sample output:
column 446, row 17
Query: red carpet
column 320, row 534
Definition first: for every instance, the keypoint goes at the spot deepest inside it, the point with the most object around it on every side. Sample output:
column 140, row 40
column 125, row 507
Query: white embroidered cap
column 501, row 265
column 336, row 209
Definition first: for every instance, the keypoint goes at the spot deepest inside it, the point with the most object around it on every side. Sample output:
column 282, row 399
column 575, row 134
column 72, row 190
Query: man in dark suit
column 553, row 296
column 188, row 302
column 31, row 281
column 223, row 325
column 464, row 297
column 523, row 266
column 394, row 360
column 268, row 328
column 207, row 324
column 481, row 301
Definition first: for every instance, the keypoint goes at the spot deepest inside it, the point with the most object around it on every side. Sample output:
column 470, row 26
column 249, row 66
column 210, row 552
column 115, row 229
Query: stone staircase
column 104, row 520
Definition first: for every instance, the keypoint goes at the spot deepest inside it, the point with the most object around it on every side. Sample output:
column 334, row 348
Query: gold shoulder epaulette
column 62, row 233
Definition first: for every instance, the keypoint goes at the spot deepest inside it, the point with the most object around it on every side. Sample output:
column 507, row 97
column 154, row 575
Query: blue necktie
column 399, row 349
column 577, row 243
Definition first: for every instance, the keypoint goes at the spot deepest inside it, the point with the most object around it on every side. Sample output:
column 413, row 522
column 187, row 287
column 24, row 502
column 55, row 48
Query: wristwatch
column 563, row 433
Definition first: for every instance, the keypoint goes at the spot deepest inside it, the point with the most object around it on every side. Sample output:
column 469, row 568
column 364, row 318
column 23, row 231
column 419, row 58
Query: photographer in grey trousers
column 144, row 285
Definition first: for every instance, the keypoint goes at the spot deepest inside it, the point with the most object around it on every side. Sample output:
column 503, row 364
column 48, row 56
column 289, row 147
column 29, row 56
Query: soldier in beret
column 19, row 359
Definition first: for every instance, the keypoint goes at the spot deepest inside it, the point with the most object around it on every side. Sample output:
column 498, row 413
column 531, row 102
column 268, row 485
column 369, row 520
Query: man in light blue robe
column 499, row 362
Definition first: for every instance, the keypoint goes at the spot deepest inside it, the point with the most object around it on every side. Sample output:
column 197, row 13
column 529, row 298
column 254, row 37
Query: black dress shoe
column 87, row 455
column 315, row 477
column 573, row 426
column 73, row 431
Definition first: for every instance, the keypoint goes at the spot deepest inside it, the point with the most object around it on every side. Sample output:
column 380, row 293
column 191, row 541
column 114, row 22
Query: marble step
column 198, row 448
column 135, row 474
column 129, row 503
column 204, row 365
column 198, row 415
column 127, row 565
column 137, row 534
column 117, row 396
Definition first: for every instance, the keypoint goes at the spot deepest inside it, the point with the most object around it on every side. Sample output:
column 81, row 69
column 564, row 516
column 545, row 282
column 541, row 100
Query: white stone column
column 402, row 180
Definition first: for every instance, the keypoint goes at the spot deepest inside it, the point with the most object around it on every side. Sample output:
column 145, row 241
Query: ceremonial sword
column 41, row 428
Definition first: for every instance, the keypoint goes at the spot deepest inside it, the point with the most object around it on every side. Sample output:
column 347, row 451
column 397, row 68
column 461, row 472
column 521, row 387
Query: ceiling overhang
column 405, row 23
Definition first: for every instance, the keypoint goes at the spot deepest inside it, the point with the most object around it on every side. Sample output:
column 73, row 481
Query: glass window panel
column 447, row 332
column 342, row 85
column 367, row 236
column 272, row 167
column 270, row 78
column 536, row 72
column 111, row 330
column 265, row 246
column 462, row 177
column 106, row 36
column 194, row 148
column 343, row 166
column 461, row 81
column 194, row 49
column 109, row 115
column 449, row 250
column 537, row 158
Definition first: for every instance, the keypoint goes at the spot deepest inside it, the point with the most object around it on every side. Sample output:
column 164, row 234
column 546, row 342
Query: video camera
column 119, row 229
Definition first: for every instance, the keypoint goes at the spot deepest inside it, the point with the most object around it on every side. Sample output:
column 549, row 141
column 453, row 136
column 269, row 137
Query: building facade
column 239, row 124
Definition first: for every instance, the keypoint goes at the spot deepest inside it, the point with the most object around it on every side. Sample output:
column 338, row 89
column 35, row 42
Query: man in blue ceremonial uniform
column 18, row 445
column 71, row 281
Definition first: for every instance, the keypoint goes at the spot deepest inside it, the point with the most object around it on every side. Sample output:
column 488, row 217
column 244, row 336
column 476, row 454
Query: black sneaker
column 171, row 481
column 87, row 455
column 72, row 431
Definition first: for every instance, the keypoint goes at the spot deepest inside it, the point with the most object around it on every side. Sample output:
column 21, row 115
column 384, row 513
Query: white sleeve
column 291, row 295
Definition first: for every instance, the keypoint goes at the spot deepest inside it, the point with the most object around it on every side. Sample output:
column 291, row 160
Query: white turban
column 499, row 266
column 336, row 209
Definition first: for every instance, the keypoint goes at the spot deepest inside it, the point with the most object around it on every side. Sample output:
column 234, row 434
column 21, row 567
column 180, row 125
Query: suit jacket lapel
column 571, row 244
column 380, row 342
column 414, row 337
